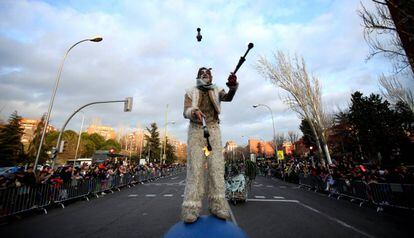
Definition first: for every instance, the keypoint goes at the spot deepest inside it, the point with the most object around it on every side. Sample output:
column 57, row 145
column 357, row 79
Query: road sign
column 280, row 155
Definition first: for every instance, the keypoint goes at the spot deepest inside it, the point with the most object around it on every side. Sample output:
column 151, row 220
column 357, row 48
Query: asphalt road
column 274, row 209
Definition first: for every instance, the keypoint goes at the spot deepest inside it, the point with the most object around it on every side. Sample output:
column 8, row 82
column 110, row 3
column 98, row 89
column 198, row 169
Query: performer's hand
column 232, row 80
column 199, row 115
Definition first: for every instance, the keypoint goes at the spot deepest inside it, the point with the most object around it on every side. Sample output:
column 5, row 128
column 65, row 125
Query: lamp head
column 255, row 105
column 96, row 39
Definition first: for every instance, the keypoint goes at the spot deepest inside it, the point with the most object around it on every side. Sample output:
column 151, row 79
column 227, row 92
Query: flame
column 206, row 152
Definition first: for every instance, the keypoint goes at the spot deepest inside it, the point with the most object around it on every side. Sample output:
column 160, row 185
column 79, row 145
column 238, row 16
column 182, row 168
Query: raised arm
column 233, row 85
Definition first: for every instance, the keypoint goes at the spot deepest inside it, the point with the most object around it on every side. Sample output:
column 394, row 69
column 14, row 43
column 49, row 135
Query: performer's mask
column 205, row 74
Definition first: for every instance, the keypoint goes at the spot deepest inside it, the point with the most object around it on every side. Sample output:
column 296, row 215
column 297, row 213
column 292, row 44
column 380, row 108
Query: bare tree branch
column 395, row 92
column 304, row 92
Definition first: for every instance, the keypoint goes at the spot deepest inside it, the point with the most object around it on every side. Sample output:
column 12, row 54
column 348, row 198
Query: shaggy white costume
column 208, row 102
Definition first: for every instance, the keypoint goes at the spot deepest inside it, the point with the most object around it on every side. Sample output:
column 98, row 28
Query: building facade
column 106, row 132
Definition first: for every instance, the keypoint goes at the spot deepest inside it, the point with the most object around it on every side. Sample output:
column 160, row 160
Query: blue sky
column 150, row 52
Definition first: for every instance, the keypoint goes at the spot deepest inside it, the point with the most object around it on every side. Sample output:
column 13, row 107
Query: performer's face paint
column 205, row 74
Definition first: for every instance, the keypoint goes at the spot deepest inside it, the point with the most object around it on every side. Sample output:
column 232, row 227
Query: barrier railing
column 22, row 199
column 380, row 194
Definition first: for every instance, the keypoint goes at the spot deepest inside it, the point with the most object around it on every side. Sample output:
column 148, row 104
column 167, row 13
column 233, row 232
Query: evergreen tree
column 308, row 136
column 11, row 147
column 171, row 157
column 378, row 129
column 152, row 148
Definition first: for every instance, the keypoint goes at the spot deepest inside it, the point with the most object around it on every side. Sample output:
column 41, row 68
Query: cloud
column 149, row 52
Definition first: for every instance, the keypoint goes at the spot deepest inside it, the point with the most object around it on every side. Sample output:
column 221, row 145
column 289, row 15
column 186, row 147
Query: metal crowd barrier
column 22, row 199
column 379, row 194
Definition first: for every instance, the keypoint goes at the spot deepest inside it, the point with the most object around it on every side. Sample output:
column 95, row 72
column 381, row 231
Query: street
column 274, row 209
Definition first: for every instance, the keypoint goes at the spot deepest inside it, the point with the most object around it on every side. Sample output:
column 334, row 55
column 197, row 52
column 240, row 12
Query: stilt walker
column 202, row 108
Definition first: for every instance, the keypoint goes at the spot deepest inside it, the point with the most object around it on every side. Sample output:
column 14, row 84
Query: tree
column 87, row 148
column 11, row 147
column 308, row 136
column 393, row 91
column 304, row 94
column 111, row 144
column 378, row 129
column 152, row 148
column 98, row 140
column 170, row 153
column 34, row 144
column 259, row 149
column 293, row 136
column 280, row 138
column 389, row 30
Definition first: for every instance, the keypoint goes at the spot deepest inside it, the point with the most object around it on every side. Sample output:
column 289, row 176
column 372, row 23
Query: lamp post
column 127, row 108
column 273, row 124
column 79, row 139
column 52, row 98
column 165, row 141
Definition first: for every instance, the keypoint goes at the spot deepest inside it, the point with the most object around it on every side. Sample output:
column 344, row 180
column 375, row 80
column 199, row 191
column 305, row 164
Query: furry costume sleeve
column 227, row 97
column 189, row 108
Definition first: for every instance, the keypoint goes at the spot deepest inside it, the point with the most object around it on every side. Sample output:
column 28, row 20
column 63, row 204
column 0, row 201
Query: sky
column 150, row 52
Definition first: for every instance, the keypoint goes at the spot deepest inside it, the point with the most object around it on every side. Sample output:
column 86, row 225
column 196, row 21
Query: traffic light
column 128, row 104
column 54, row 153
column 62, row 146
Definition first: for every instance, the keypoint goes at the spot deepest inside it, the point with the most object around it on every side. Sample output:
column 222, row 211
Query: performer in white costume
column 203, row 102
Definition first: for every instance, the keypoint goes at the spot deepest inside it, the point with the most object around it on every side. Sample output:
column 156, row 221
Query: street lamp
column 52, row 98
column 127, row 108
column 165, row 141
column 273, row 123
column 79, row 139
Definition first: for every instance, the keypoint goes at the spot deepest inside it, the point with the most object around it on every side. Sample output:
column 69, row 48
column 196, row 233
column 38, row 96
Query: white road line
column 277, row 197
column 336, row 220
column 269, row 186
column 133, row 195
column 233, row 218
column 282, row 186
column 260, row 197
column 174, row 178
column 271, row 200
column 182, row 195
column 168, row 195
column 150, row 195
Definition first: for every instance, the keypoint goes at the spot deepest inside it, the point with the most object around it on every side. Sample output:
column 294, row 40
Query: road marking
column 336, row 220
column 269, row 186
column 168, row 195
column 150, row 195
column 260, row 197
column 182, row 195
column 271, row 200
column 233, row 218
column 174, row 178
column 133, row 195
column 258, row 185
column 282, row 186
column 278, row 197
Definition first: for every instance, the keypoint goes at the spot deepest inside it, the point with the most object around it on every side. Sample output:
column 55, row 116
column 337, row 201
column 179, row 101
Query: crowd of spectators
column 64, row 174
column 345, row 168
